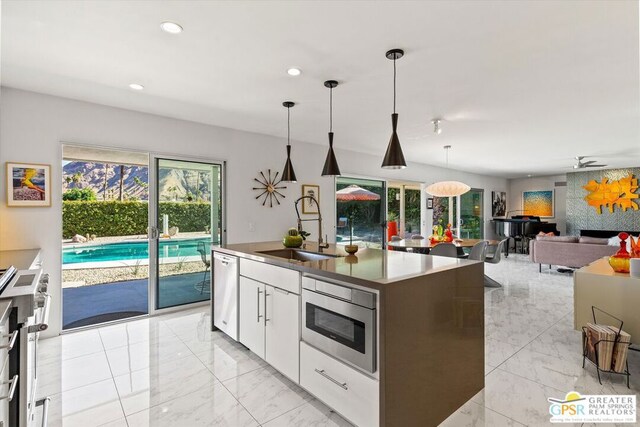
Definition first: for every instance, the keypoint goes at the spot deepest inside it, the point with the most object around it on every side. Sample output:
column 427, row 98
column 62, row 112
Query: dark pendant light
column 288, row 175
column 331, row 164
column 394, row 159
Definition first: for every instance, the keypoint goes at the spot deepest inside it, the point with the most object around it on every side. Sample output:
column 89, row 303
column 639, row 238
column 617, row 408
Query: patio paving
column 89, row 305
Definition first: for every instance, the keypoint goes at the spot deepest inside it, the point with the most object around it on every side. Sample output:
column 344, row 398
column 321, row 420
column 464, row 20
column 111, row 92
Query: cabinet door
column 282, row 320
column 252, row 315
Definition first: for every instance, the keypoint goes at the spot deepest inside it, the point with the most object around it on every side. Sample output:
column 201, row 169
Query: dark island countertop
column 374, row 268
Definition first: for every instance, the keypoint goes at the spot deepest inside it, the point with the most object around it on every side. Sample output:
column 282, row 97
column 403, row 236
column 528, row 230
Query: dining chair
column 478, row 251
column 203, row 286
column 444, row 249
column 494, row 259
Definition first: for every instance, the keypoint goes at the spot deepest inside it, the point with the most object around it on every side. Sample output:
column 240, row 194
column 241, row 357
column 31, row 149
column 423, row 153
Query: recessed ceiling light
column 171, row 27
column 294, row 71
column 136, row 86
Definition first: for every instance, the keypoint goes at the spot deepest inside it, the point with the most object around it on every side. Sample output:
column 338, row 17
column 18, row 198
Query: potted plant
column 392, row 225
column 352, row 213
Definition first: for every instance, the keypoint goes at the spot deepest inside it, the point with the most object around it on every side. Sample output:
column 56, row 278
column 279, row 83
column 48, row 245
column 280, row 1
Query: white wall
column 517, row 186
column 33, row 126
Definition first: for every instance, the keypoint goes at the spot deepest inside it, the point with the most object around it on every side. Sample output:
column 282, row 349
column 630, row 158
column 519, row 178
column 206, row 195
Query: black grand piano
column 522, row 228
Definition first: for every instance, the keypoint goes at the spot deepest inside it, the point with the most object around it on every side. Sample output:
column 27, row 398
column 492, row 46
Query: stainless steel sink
column 297, row 255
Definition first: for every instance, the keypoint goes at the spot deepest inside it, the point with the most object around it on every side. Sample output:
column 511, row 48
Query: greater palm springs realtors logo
column 575, row 408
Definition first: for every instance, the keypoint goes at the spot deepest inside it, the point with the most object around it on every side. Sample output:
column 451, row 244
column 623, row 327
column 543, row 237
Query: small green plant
column 136, row 267
column 180, row 264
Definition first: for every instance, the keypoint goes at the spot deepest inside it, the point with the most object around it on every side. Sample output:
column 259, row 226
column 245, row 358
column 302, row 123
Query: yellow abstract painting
column 620, row 192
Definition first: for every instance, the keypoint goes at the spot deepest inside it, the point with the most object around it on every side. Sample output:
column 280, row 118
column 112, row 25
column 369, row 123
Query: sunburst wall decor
column 268, row 188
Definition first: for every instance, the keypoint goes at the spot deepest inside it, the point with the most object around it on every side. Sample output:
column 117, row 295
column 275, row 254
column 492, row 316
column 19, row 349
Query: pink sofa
column 569, row 251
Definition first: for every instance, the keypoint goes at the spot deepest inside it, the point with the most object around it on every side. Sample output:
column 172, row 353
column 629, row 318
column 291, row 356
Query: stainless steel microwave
column 340, row 321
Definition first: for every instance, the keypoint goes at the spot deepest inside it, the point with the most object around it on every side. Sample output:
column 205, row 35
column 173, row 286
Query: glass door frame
column 154, row 275
column 385, row 207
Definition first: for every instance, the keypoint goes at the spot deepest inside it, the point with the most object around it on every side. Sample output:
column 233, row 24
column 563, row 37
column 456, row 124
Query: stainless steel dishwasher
column 224, row 303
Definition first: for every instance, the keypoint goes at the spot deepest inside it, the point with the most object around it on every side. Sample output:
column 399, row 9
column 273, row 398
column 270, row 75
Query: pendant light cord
column 288, row 125
column 331, row 109
column 394, row 84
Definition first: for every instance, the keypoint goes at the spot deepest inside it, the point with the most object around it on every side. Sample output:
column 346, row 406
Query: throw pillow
column 615, row 241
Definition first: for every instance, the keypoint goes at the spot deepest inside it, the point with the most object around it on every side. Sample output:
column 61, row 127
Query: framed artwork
column 538, row 203
column 498, row 204
column 430, row 203
column 308, row 207
column 28, row 184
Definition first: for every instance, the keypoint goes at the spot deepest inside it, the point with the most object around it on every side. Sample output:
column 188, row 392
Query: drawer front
column 282, row 278
column 347, row 391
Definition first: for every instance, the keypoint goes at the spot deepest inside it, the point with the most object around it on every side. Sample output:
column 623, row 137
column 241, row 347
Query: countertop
column 373, row 268
column 20, row 259
column 601, row 267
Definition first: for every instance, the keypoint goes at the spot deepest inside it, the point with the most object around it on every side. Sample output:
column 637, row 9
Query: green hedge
column 116, row 218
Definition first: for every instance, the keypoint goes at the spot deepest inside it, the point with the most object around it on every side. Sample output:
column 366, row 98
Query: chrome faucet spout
column 321, row 243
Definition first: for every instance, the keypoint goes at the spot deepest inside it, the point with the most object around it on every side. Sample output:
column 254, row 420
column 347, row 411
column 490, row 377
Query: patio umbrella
column 355, row 193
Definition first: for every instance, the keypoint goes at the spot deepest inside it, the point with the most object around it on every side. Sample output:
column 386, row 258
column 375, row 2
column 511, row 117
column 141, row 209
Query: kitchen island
column 383, row 338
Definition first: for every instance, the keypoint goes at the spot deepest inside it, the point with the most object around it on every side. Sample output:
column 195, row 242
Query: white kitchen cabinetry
column 270, row 315
column 252, row 332
column 282, row 331
column 349, row 392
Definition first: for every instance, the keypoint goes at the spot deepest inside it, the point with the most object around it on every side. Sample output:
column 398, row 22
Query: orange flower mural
column 620, row 192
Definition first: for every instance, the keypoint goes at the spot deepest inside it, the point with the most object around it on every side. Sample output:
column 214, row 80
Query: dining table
column 424, row 245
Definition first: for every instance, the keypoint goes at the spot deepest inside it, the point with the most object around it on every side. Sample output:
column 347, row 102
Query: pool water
column 127, row 251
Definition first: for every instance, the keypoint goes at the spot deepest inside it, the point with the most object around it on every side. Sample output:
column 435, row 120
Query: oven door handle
column 12, row 340
column 45, row 410
column 44, row 322
column 12, row 388
column 333, row 380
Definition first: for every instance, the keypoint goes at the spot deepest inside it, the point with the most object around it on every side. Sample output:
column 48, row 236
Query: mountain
column 174, row 184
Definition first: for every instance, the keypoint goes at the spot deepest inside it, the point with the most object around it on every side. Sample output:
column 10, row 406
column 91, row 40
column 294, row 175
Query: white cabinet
column 349, row 392
column 282, row 320
column 252, row 330
column 270, row 315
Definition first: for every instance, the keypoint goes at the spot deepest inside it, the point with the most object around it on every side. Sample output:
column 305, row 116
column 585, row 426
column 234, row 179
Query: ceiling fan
column 588, row 164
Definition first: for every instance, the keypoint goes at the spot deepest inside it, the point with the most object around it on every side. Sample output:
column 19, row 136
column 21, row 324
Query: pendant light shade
column 447, row 188
column 394, row 158
column 331, row 167
column 288, row 174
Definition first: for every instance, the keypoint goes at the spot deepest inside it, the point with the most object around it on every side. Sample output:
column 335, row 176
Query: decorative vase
column 448, row 235
column 620, row 260
column 351, row 249
column 292, row 239
column 635, row 247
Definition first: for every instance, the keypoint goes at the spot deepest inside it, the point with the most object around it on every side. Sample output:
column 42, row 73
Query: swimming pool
column 128, row 251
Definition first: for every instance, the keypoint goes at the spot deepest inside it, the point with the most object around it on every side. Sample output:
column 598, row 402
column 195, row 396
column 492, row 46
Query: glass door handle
column 153, row 233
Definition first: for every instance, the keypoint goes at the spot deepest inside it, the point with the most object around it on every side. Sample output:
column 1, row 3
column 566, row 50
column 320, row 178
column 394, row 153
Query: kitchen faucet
column 321, row 242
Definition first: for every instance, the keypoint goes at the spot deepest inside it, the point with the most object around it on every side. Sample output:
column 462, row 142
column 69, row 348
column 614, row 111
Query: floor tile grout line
column 113, row 379
column 239, row 403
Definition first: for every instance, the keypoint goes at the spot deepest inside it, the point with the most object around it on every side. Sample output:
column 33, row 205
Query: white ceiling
column 522, row 87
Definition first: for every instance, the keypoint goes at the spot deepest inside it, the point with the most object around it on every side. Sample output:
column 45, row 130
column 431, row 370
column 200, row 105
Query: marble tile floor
column 170, row 370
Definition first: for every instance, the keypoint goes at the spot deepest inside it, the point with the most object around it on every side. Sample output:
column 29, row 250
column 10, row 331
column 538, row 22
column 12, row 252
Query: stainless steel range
column 28, row 316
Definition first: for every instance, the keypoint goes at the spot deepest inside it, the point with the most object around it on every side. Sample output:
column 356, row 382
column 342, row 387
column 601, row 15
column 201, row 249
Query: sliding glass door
column 186, row 221
column 361, row 212
column 465, row 213
column 471, row 214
